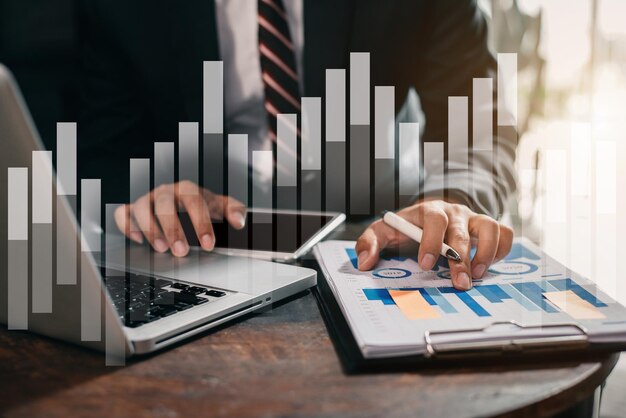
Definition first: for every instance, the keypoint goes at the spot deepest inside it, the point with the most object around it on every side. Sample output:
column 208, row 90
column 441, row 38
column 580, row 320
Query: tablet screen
column 278, row 232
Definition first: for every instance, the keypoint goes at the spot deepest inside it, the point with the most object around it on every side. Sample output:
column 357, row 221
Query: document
column 392, row 308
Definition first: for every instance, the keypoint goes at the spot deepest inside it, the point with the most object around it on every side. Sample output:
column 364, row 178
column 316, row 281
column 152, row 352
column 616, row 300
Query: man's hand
column 155, row 216
column 457, row 225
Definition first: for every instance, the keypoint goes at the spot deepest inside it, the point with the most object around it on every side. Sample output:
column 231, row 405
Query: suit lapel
column 194, row 40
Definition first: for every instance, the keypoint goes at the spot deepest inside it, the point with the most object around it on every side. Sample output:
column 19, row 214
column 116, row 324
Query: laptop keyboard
column 141, row 299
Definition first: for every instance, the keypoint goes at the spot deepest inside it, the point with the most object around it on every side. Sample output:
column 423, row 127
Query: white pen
column 415, row 232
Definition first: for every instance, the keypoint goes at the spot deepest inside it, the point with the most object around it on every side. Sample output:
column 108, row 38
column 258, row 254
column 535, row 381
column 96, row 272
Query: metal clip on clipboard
column 574, row 340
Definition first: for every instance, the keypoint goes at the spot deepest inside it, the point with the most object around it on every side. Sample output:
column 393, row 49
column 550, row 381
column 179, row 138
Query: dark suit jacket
column 142, row 64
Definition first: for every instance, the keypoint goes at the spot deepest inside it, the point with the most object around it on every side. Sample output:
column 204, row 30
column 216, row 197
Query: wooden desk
column 277, row 363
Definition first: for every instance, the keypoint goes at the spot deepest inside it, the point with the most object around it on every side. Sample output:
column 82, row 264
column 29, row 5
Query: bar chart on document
column 397, row 302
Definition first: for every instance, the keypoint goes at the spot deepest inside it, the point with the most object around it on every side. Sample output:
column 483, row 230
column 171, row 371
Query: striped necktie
column 278, row 63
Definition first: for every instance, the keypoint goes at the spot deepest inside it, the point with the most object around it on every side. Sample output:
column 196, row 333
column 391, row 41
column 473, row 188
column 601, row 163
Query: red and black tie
column 278, row 62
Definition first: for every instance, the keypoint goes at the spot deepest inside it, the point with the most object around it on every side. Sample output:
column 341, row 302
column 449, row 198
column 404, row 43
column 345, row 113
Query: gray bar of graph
column 163, row 163
column 311, row 133
column 359, row 169
column 409, row 161
column 311, row 156
column 115, row 345
column 188, row 151
column 213, row 97
column 213, row 162
column 17, row 248
column 213, row 126
column 434, row 182
column 458, row 136
column 139, row 186
column 66, row 158
column 507, row 89
column 482, row 114
column 91, row 227
column 286, row 178
column 336, row 105
column 359, row 88
column 41, row 260
column 336, row 176
column 238, row 167
column 384, row 148
column 261, row 198
column 66, row 242
column 336, row 140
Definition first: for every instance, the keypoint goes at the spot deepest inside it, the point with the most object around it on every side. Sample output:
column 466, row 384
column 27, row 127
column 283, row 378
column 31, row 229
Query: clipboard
column 451, row 354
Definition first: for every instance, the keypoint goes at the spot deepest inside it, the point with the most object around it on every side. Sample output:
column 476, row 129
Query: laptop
column 127, row 300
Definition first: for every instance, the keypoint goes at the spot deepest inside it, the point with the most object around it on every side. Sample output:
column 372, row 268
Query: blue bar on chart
column 336, row 140
column 213, row 126
column 41, row 260
column 91, row 227
column 311, row 154
column 440, row 300
column 17, row 248
column 360, row 133
column 518, row 297
column 535, row 294
column 66, row 241
column 467, row 299
column 409, row 163
column 384, row 149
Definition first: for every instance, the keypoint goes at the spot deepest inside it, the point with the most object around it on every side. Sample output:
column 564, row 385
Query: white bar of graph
column 91, row 228
column 507, row 89
column 163, row 163
column 188, row 151
column 66, row 242
column 360, row 133
column 311, row 154
column 434, row 179
column 606, row 273
column 482, row 114
column 580, row 152
column 115, row 343
column 336, row 140
column 213, row 126
column 384, row 148
column 286, row 179
column 17, row 248
column 556, row 186
column 238, row 179
column 458, row 143
column 139, row 186
column 41, row 260
column 409, row 161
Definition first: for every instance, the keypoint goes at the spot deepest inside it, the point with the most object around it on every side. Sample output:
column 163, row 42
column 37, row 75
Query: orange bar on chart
column 413, row 305
column 570, row 303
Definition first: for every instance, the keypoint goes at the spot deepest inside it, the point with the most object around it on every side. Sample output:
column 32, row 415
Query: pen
column 415, row 232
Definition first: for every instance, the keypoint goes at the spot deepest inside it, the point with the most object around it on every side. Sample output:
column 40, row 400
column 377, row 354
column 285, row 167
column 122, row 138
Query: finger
column 198, row 212
column 126, row 224
column 505, row 243
column 487, row 231
column 235, row 212
column 458, row 238
column 141, row 212
column 167, row 215
column 435, row 222
column 376, row 237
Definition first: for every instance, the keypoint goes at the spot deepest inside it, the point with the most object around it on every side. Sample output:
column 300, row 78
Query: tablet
column 279, row 235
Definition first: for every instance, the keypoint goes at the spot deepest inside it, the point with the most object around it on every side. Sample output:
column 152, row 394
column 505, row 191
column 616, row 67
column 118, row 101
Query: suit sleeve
column 452, row 51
